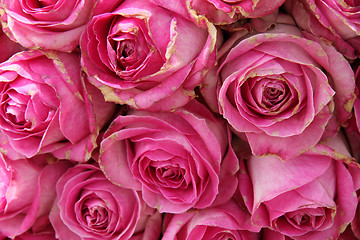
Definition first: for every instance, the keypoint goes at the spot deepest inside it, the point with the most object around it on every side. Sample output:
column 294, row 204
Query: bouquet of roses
column 182, row 119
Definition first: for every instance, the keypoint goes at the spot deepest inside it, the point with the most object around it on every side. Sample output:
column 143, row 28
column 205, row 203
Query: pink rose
column 278, row 88
column 227, row 221
column 27, row 193
column 91, row 207
column 47, row 107
column 179, row 160
column 146, row 56
column 336, row 21
column 55, row 25
column 312, row 196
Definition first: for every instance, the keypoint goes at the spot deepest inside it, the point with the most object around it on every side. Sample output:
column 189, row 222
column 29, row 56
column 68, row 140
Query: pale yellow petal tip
column 3, row 151
column 67, row 154
column 51, row 159
column 110, row 96
column 350, row 103
column 271, row 155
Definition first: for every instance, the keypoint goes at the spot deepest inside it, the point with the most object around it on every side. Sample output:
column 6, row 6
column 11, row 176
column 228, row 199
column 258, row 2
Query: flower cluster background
column 179, row 119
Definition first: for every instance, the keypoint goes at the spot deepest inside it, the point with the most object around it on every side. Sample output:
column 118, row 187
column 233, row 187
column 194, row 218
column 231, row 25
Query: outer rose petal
column 284, row 147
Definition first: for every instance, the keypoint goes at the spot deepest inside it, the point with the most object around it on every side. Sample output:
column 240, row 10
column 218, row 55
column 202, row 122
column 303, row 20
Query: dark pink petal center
column 95, row 214
column 15, row 111
column 45, row 3
column 266, row 95
column 127, row 53
column 24, row 107
column 304, row 220
column 273, row 93
column 166, row 174
column 14, row 105
column 170, row 173
column 127, row 45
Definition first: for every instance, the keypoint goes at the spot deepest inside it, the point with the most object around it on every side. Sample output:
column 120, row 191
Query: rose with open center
column 179, row 160
column 146, row 56
column 278, row 87
column 50, row 24
column 46, row 107
column 90, row 207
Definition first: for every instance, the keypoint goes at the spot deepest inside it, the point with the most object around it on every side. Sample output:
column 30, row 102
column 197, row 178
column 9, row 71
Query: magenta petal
column 228, row 176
